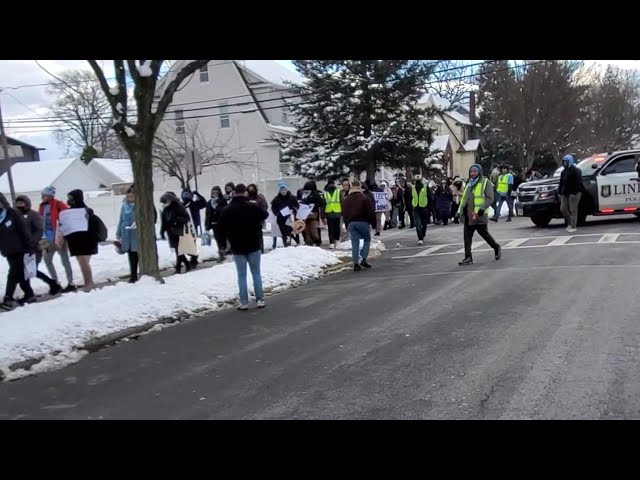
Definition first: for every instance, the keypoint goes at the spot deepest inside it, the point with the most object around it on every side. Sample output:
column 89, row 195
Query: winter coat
column 571, row 181
column 128, row 236
column 358, row 207
column 194, row 204
column 443, row 200
column 404, row 195
column 457, row 189
column 468, row 205
column 33, row 220
column 55, row 207
column 283, row 201
column 83, row 243
column 260, row 201
column 14, row 235
column 214, row 209
column 241, row 222
column 310, row 195
column 174, row 218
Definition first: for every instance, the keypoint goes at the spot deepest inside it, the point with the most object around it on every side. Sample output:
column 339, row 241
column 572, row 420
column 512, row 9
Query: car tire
column 541, row 220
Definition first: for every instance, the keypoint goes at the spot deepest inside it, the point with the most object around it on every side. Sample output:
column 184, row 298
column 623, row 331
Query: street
column 551, row 331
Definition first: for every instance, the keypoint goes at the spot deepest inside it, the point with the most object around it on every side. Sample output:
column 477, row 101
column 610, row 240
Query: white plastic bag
column 205, row 240
column 490, row 212
column 30, row 267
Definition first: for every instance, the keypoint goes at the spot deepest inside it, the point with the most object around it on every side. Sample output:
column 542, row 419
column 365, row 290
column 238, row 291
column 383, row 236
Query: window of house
column 204, row 74
column 224, row 116
column 179, row 118
column 285, row 117
column 464, row 134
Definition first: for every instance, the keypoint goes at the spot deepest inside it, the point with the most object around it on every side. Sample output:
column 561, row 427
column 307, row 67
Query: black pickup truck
column 612, row 188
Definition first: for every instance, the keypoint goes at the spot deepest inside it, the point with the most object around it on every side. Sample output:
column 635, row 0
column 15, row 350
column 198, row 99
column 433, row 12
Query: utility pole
column 5, row 150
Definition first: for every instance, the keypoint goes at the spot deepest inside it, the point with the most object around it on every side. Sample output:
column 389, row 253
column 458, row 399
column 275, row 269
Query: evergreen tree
column 359, row 115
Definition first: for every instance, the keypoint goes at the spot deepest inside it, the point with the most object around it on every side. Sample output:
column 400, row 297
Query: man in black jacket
column 570, row 191
column 241, row 223
column 14, row 244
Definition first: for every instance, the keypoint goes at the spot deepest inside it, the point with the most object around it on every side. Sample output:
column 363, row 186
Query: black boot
column 55, row 288
column 356, row 267
column 193, row 263
column 498, row 252
column 364, row 264
column 466, row 261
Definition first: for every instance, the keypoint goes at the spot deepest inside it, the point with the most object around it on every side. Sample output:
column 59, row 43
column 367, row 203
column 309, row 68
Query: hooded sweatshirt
column 32, row 219
column 310, row 195
column 215, row 206
column 570, row 179
column 14, row 235
column 467, row 206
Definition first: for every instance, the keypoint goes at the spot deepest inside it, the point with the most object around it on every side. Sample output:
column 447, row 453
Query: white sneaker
column 261, row 304
column 420, row 242
column 572, row 230
column 568, row 228
column 243, row 307
column 333, row 246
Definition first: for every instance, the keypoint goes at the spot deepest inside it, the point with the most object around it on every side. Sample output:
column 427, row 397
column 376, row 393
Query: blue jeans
column 509, row 200
column 358, row 230
column 253, row 259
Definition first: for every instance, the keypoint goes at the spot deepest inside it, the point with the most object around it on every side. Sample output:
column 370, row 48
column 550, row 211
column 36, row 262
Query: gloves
column 481, row 212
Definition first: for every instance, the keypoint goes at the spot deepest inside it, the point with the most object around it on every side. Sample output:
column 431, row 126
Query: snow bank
column 375, row 245
column 107, row 266
column 66, row 323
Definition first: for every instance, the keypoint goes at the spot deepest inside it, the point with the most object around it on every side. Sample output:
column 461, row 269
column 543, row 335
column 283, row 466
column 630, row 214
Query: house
column 453, row 136
column 237, row 108
column 115, row 173
column 19, row 151
column 30, row 178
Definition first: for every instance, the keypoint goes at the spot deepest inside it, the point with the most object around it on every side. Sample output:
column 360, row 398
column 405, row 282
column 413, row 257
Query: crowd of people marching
column 236, row 216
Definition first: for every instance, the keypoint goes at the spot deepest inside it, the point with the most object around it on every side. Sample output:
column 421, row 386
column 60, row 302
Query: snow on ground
column 375, row 245
column 35, row 330
column 107, row 266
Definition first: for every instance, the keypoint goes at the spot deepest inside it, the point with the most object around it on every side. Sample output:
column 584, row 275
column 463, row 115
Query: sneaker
column 243, row 307
column 499, row 253
column 55, row 289
column 27, row 300
column 356, row 267
column 70, row 288
column 494, row 219
column 509, row 219
column 420, row 242
column 364, row 264
column 261, row 304
column 466, row 261
column 568, row 228
column 8, row 304
column 572, row 230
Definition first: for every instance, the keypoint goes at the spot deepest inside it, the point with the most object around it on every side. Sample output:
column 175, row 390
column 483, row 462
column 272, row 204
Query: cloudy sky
column 25, row 98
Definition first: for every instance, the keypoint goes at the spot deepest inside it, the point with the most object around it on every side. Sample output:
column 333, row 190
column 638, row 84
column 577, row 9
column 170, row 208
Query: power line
column 462, row 77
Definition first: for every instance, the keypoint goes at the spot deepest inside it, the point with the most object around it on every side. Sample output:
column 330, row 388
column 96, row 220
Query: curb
column 111, row 339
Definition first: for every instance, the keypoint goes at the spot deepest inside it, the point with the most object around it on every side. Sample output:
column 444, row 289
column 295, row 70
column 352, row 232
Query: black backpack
column 100, row 228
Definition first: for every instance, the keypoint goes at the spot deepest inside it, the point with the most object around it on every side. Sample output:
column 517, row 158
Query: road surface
column 549, row 332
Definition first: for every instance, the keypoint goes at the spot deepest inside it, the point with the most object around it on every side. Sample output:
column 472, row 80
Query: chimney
column 472, row 115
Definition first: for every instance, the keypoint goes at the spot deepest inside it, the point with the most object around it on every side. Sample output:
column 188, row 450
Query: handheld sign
column 382, row 203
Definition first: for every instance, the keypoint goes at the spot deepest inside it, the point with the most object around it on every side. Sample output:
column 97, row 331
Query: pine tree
column 359, row 115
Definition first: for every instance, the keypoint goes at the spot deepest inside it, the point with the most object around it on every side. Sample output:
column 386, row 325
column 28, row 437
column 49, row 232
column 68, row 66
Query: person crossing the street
column 476, row 199
column 360, row 218
column 420, row 203
column 333, row 211
column 504, row 189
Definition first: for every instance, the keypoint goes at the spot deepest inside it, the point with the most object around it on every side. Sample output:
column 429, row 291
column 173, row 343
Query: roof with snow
column 15, row 141
column 281, row 129
column 270, row 71
column 444, row 104
column 120, row 167
column 34, row 176
column 440, row 143
column 471, row 145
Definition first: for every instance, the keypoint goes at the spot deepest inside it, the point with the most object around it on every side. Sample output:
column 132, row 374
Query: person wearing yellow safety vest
column 504, row 189
column 333, row 211
column 419, row 202
column 476, row 199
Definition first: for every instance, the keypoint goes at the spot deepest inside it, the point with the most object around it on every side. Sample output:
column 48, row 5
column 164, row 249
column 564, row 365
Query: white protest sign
column 285, row 212
column 304, row 211
column 73, row 220
column 382, row 203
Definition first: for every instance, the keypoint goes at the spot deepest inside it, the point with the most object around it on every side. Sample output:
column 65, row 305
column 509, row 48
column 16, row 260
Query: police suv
column 611, row 183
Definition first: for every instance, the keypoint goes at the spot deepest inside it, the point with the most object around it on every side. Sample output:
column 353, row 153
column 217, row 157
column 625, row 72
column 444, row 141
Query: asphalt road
column 548, row 332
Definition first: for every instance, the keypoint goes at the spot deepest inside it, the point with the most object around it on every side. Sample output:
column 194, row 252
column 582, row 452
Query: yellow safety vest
column 478, row 196
column 333, row 202
column 419, row 200
column 503, row 183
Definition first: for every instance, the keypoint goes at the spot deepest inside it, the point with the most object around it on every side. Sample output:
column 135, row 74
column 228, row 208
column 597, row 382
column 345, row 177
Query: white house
column 30, row 178
column 238, row 106
column 115, row 173
column 452, row 136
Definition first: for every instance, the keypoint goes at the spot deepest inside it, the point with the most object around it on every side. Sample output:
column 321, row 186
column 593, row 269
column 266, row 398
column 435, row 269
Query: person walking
column 127, row 234
column 394, row 206
column 570, row 190
column 15, row 243
column 443, row 201
column 241, row 223
column 476, row 199
column 175, row 221
column 504, row 189
column 346, row 186
column 311, row 196
column 259, row 200
column 457, row 189
column 35, row 227
column 50, row 209
column 405, row 202
column 83, row 244
column 420, row 205
column 383, row 188
column 281, row 203
column 333, row 211
column 214, row 209
column 359, row 216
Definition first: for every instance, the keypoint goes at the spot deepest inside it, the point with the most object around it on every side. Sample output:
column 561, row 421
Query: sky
column 32, row 101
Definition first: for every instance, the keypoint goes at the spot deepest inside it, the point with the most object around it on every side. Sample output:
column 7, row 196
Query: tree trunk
column 141, row 162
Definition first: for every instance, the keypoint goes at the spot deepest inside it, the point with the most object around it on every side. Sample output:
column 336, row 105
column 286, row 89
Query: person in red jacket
column 50, row 209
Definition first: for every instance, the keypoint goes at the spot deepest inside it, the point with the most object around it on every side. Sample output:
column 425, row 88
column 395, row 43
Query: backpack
column 100, row 229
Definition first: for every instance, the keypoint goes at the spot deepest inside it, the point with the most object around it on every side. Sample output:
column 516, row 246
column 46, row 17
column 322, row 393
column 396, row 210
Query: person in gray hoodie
column 35, row 227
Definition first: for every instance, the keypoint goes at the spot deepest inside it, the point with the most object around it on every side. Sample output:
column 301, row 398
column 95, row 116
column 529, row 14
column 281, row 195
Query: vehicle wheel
column 541, row 220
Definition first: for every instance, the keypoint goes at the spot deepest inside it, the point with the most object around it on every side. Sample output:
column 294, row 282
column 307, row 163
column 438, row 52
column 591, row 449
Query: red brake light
column 607, row 210
column 630, row 209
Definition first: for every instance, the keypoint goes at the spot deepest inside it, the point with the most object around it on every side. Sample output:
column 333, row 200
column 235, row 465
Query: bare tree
column 137, row 135
column 169, row 151
column 450, row 81
column 85, row 115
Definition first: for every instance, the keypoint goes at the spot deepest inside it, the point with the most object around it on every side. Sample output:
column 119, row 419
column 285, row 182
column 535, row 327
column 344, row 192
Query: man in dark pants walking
column 476, row 199
column 420, row 204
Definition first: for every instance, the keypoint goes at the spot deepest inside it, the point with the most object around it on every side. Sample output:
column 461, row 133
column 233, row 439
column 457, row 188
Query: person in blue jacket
column 127, row 233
